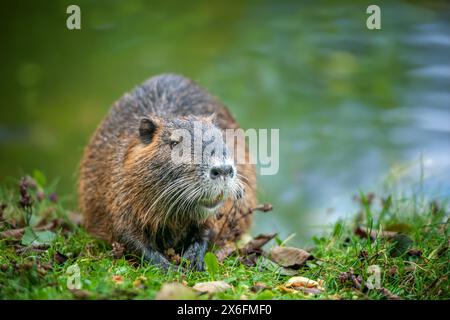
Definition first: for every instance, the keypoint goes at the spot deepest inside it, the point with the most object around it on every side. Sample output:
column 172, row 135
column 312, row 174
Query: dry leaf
column 415, row 252
column 255, row 244
column 309, row 291
column 373, row 234
column 243, row 240
column 37, row 248
column 259, row 286
column 212, row 286
column 59, row 257
column 80, row 294
column 290, row 257
column 117, row 279
column 401, row 244
column 175, row 291
column 299, row 281
column 226, row 251
column 249, row 260
column 12, row 233
column 285, row 289
column 287, row 271
column 272, row 266
column 249, row 252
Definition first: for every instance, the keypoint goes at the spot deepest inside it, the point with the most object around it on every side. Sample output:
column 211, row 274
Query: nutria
column 132, row 192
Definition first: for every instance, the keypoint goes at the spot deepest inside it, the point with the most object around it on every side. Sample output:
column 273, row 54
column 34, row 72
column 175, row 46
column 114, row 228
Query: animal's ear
column 147, row 129
column 212, row 118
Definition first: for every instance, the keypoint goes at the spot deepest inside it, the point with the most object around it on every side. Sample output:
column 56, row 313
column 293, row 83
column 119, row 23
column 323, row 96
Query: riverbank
column 391, row 249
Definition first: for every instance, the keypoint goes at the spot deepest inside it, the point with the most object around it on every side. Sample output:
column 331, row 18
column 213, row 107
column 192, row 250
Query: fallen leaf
column 175, row 291
column 256, row 243
column 31, row 237
column 45, row 266
column 249, row 249
column 12, row 234
column 249, row 260
column 272, row 266
column 287, row 271
column 290, row 257
column 117, row 279
column 285, row 289
column 259, row 286
column 37, row 248
column 401, row 245
column 392, row 271
column 309, row 290
column 373, row 234
column 304, row 282
column 415, row 252
column 212, row 286
column 225, row 251
column 59, row 257
column 80, row 294
column 243, row 240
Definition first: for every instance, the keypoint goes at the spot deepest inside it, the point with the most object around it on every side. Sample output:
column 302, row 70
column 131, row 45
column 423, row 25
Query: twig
column 266, row 207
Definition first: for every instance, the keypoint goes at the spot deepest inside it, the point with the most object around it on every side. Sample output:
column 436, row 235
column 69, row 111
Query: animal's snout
column 225, row 171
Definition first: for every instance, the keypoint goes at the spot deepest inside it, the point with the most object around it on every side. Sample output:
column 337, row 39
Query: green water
column 352, row 105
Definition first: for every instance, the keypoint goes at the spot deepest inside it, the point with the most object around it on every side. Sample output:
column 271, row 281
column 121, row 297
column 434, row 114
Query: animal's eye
column 175, row 142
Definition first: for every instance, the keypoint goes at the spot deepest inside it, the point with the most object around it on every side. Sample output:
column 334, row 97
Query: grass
column 413, row 266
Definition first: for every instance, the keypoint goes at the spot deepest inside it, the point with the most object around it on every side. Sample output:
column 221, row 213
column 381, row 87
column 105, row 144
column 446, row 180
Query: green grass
column 39, row 275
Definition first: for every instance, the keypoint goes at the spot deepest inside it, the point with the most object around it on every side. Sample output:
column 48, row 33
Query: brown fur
column 116, row 191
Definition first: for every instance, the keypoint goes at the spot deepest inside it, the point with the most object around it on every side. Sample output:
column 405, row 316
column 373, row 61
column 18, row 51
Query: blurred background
column 358, row 110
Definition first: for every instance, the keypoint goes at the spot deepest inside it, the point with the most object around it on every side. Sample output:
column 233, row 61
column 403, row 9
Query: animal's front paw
column 195, row 254
column 157, row 259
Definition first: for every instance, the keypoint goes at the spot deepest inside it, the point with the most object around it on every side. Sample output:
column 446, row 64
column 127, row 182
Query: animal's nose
column 221, row 171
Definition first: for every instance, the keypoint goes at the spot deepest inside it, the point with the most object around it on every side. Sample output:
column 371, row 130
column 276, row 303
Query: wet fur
column 117, row 192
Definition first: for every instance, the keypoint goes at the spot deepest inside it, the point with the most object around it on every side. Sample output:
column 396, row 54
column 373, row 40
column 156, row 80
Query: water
column 354, row 106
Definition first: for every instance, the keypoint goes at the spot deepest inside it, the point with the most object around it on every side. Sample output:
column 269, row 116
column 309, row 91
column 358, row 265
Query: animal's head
column 186, row 166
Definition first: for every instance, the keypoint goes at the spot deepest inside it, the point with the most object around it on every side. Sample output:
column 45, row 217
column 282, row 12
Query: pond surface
column 356, row 108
